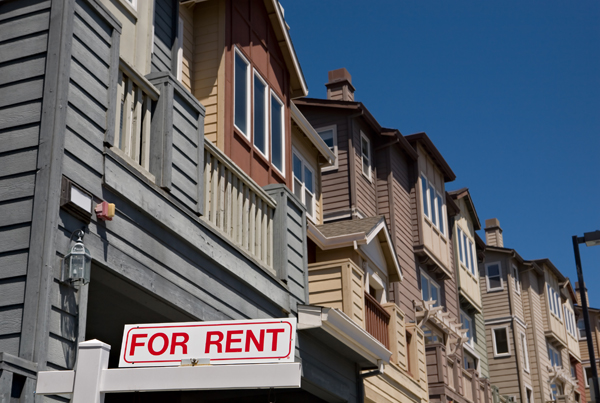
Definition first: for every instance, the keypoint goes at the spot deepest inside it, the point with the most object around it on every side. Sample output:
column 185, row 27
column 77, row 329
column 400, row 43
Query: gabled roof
column 357, row 232
column 360, row 108
column 533, row 263
column 464, row 193
column 426, row 142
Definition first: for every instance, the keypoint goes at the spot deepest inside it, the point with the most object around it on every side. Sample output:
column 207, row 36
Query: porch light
column 78, row 262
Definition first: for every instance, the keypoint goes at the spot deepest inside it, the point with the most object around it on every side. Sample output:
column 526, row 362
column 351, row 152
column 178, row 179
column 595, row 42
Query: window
column 587, row 373
column 570, row 321
column 433, row 204
column 469, row 361
column 304, row 183
column 529, row 393
column 466, row 249
column 581, row 329
column 516, row 279
column 180, row 50
column 493, row 275
column 132, row 136
column 432, row 336
column 500, row 339
column 329, row 136
column 261, row 110
column 467, row 323
column 365, row 149
column 277, row 133
column 573, row 371
column 556, row 389
column 554, row 356
column 554, row 301
column 430, row 290
column 525, row 352
column 241, row 102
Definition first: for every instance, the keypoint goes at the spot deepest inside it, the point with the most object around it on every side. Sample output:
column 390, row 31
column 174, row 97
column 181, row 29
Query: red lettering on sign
column 259, row 344
column 210, row 341
column 275, row 332
column 151, row 343
column 230, row 340
column 135, row 343
column 175, row 343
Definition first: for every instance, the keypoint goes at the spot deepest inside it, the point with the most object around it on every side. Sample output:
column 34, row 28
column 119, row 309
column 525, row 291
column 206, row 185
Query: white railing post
column 92, row 359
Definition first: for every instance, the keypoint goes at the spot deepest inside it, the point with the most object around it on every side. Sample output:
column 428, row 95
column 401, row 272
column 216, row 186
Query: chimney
column 493, row 233
column 578, row 294
column 339, row 87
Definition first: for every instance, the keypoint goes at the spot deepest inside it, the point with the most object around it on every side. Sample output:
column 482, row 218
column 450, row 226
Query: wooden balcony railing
column 468, row 384
column 376, row 320
column 239, row 208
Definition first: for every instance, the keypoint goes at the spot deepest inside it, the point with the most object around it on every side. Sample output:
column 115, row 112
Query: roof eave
column 426, row 142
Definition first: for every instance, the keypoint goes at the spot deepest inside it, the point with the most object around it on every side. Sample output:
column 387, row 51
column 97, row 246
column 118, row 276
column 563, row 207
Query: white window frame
column 558, row 354
column 530, row 389
column 554, row 301
column 368, row 174
column 180, row 50
column 487, row 277
column 333, row 128
column 496, row 354
column 468, row 258
column 471, row 341
column 433, row 205
column 274, row 95
column 524, row 350
column 265, row 154
column 585, row 369
column 431, row 283
column 248, row 91
column 425, row 196
column 516, row 280
column 584, row 337
column 303, row 190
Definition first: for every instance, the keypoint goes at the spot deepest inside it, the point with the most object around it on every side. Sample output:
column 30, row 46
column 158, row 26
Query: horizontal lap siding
column 295, row 253
column 503, row 370
column 186, row 153
column 164, row 36
column 481, row 345
column 23, row 44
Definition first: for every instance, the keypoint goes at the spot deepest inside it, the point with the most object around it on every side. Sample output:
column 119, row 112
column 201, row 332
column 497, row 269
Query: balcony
column 377, row 320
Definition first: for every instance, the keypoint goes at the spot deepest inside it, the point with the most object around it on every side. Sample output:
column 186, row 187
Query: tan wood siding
column 186, row 14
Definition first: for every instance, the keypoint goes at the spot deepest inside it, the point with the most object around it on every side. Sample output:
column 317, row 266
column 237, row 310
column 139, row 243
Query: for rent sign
column 227, row 342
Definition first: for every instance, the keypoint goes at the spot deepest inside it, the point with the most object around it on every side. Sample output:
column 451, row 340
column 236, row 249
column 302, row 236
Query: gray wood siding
column 23, row 46
column 165, row 29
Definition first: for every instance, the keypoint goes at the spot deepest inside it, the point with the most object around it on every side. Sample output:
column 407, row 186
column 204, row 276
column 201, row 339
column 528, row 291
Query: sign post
column 215, row 355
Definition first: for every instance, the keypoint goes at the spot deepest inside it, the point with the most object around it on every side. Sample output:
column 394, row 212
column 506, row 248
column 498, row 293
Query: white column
column 92, row 360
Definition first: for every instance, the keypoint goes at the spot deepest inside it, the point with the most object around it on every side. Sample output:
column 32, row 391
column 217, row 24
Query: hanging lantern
column 77, row 264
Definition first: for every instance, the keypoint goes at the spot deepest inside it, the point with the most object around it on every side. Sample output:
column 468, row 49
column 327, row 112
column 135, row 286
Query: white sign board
column 225, row 342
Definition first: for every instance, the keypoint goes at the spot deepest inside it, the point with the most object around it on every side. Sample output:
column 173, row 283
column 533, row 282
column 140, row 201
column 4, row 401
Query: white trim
column 265, row 154
column 487, row 278
column 248, row 91
column 431, row 283
column 271, row 137
column 525, row 350
column 496, row 354
column 369, row 174
column 305, row 165
column 558, row 354
column 505, row 319
column 527, row 387
column 179, row 50
column 335, row 152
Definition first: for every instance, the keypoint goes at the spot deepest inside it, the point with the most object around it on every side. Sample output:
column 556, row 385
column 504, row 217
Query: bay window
column 433, row 204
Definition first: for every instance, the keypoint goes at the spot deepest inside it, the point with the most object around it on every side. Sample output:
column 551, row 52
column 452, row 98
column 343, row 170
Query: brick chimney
column 493, row 233
column 578, row 294
column 339, row 87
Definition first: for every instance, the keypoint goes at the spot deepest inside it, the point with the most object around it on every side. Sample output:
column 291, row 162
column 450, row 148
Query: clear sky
column 509, row 92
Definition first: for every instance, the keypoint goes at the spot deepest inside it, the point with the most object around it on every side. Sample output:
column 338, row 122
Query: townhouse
column 583, row 342
column 533, row 353
column 381, row 173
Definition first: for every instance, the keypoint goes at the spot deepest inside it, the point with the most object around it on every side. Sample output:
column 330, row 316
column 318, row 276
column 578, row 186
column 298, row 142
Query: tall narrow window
column 241, row 104
column 587, row 372
column 461, row 255
column 440, row 207
column 467, row 323
column 430, row 290
column 425, row 196
column 329, row 136
column 277, row 134
column 494, row 276
column 365, row 146
column 500, row 336
column 260, row 115
column 581, row 329
column 524, row 352
column 516, row 279
column 471, row 258
column 304, row 183
column 432, row 203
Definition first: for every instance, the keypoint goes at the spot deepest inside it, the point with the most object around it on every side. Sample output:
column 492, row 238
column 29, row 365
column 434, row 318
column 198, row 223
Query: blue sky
column 509, row 91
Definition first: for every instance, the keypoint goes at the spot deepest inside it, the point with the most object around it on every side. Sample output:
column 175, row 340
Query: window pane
column 494, row 270
column 432, row 204
column 241, row 94
column 460, row 246
column 470, row 255
column 308, row 180
column 298, row 189
column 581, row 328
column 297, row 167
column 309, row 203
column 424, row 196
column 465, row 242
column 327, row 137
column 424, row 288
column 440, row 214
column 260, row 116
column 435, row 295
column 277, row 133
column 501, row 341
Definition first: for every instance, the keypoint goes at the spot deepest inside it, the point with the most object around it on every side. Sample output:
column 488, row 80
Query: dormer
column 431, row 239
column 239, row 61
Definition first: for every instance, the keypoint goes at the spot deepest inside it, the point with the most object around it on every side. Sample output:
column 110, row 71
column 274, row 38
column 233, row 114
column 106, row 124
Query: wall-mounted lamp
column 78, row 262
column 76, row 200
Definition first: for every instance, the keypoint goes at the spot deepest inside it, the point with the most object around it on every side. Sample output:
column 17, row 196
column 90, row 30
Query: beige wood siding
column 310, row 155
column 186, row 14
column 433, row 240
column 468, row 283
column 208, row 70
column 495, row 303
column 503, row 370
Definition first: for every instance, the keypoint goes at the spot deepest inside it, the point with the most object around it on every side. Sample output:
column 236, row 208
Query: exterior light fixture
column 78, row 262
column 76, row 200
column 592, row 238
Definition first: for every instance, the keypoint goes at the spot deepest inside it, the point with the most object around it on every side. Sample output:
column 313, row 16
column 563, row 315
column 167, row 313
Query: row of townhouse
column 239, row 198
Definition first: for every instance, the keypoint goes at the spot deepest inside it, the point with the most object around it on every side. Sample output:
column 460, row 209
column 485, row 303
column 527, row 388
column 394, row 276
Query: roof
column 360, row 108
column 515, row 254
column 464, row 193
column 342, row 234
column 306, row 128
column 451, row 206
column 426, row 142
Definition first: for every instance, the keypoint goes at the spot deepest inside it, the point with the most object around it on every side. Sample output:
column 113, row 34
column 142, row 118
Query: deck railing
column 377, row 320
column 235, row 205
column 468, row 385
